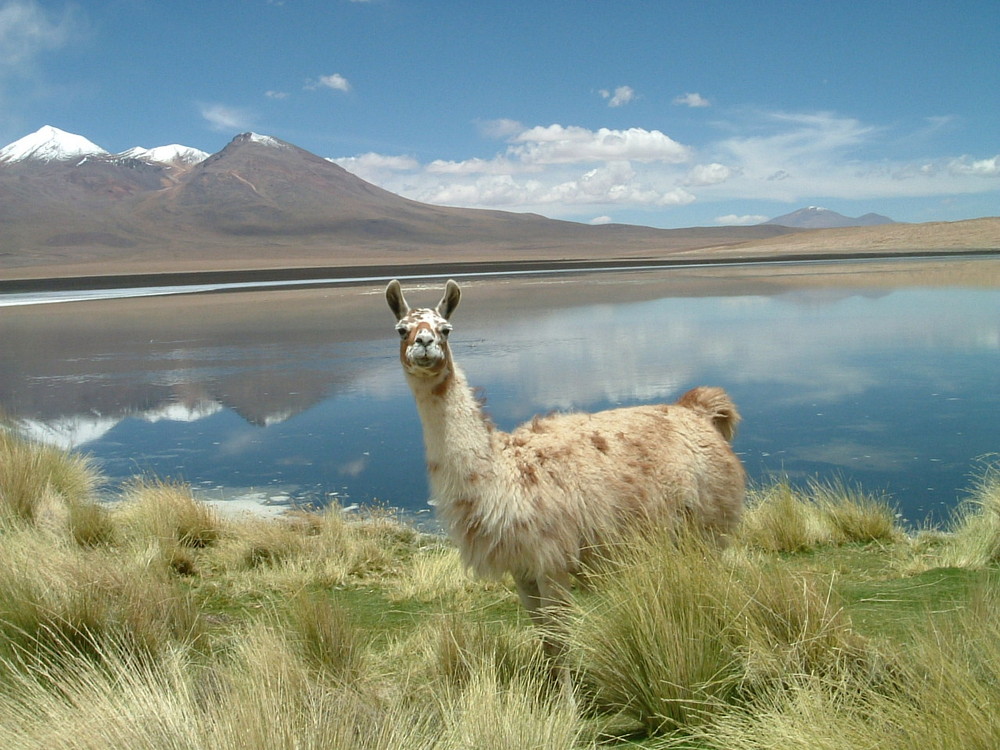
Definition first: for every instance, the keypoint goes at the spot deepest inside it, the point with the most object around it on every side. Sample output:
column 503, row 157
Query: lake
column 883, row 374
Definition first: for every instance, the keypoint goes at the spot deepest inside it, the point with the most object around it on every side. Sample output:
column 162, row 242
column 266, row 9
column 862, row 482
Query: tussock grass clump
column 493, row 711
column 853, row 515
column 449, row 649
column 117, row 704
column 779, row 518
column 167, row 512
column 56, row 597
column 783, row 518
column 263, row 695
column 942, row 696
column 975, row 538
column 51, row 488
column 679, row 633
column 326, row 636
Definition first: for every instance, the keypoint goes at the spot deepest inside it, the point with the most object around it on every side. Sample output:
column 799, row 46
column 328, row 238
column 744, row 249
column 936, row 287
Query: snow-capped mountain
column 173, row 154
column 259, row 201
column 815, row 217
column 50, row 144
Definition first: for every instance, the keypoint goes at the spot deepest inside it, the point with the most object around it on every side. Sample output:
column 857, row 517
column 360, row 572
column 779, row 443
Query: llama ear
column 449, row 302
column 397, row 302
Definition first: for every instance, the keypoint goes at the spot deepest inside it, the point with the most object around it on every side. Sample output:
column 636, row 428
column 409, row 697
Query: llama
column 542, row 500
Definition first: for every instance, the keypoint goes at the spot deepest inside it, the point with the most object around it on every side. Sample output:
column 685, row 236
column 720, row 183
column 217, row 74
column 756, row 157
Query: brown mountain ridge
column 263, row 206
column 261, row 202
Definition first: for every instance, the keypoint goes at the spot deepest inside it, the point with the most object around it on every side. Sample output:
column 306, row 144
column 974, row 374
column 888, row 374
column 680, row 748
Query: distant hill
column 69, row 207
column 814, row 217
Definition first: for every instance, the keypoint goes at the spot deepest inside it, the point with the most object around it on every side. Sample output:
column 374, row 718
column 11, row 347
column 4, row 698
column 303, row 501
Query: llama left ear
column 449, row 302
column 397, row 302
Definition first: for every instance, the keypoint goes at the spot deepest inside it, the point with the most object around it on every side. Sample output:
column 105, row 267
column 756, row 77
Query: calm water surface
column 884, row 375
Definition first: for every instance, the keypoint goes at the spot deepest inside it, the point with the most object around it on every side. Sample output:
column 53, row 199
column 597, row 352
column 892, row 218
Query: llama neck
column 457, row 436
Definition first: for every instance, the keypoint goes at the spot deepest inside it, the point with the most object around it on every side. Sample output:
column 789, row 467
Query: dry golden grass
column 940, row 695
column 784, row 518
column 975, row 541
column 39, row 483
column 679, row 633
column 175, row 628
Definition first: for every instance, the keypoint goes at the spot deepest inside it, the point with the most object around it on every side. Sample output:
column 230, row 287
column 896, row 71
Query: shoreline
column 360, row 274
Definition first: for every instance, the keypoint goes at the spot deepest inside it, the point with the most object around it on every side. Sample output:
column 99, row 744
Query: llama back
column 714, row 404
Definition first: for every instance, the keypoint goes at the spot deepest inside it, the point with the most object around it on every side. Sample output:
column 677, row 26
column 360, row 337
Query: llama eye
column 402, row 331
column 445, row 330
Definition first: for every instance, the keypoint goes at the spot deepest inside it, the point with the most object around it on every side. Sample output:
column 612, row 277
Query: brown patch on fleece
column 528, row 473
column 600, row 442
column 552, row 453
column 441, row 389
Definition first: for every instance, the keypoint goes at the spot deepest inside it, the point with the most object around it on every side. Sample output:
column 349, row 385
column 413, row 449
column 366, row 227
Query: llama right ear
column 397, row 302
column 449, row 302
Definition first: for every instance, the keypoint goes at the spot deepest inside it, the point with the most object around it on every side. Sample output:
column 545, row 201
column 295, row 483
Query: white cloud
column 380, row 169
column 797, row 139
column 732, row 220
column 692, row 100
column 27, row 30
column 600, row 221
column 276, row 94
column 708, row 174
column 226, row 119
column 620, row 96
column 334, row 81
column 554, row 168
column 487, row 191
column 555, row 144
column 676, row 197
column 373, row 163
column 556, row 191
column 977, row 168
column 498, row 165
column 567, row 170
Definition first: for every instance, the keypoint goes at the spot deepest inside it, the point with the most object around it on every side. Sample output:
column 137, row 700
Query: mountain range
column 814, row 217
column 261, row 202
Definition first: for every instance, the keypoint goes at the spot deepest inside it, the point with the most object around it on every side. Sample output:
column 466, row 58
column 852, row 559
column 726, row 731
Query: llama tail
column 715, row 404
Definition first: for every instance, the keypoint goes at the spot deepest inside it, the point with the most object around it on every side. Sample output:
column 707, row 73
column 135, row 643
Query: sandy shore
column 366, row 273
column 978, row 236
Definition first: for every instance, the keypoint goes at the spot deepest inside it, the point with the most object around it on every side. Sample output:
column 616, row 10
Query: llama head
column 423, row 332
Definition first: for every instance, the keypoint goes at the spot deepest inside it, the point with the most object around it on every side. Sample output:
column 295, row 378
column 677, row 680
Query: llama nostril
column 425, row 338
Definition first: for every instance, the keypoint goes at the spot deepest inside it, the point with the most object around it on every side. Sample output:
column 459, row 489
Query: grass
column 153, row 622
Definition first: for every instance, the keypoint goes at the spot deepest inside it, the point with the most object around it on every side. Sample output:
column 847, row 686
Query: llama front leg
column 531, row 599
column 546, row 601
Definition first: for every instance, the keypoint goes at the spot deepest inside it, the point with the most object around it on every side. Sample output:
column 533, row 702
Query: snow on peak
column 49, row 144
column 172, row 154
column 264, row 140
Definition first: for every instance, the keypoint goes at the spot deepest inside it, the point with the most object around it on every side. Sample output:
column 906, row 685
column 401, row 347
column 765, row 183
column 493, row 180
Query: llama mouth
column 425, row 356
column 425, row 360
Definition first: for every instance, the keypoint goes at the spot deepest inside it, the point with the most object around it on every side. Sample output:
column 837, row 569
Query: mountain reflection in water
column 882, row 374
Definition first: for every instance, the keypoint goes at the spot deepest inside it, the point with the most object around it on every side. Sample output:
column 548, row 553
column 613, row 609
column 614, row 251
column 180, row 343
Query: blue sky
column 671, row 114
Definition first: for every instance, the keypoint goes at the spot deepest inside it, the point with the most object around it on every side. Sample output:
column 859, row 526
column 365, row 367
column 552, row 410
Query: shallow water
column 882, row 374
